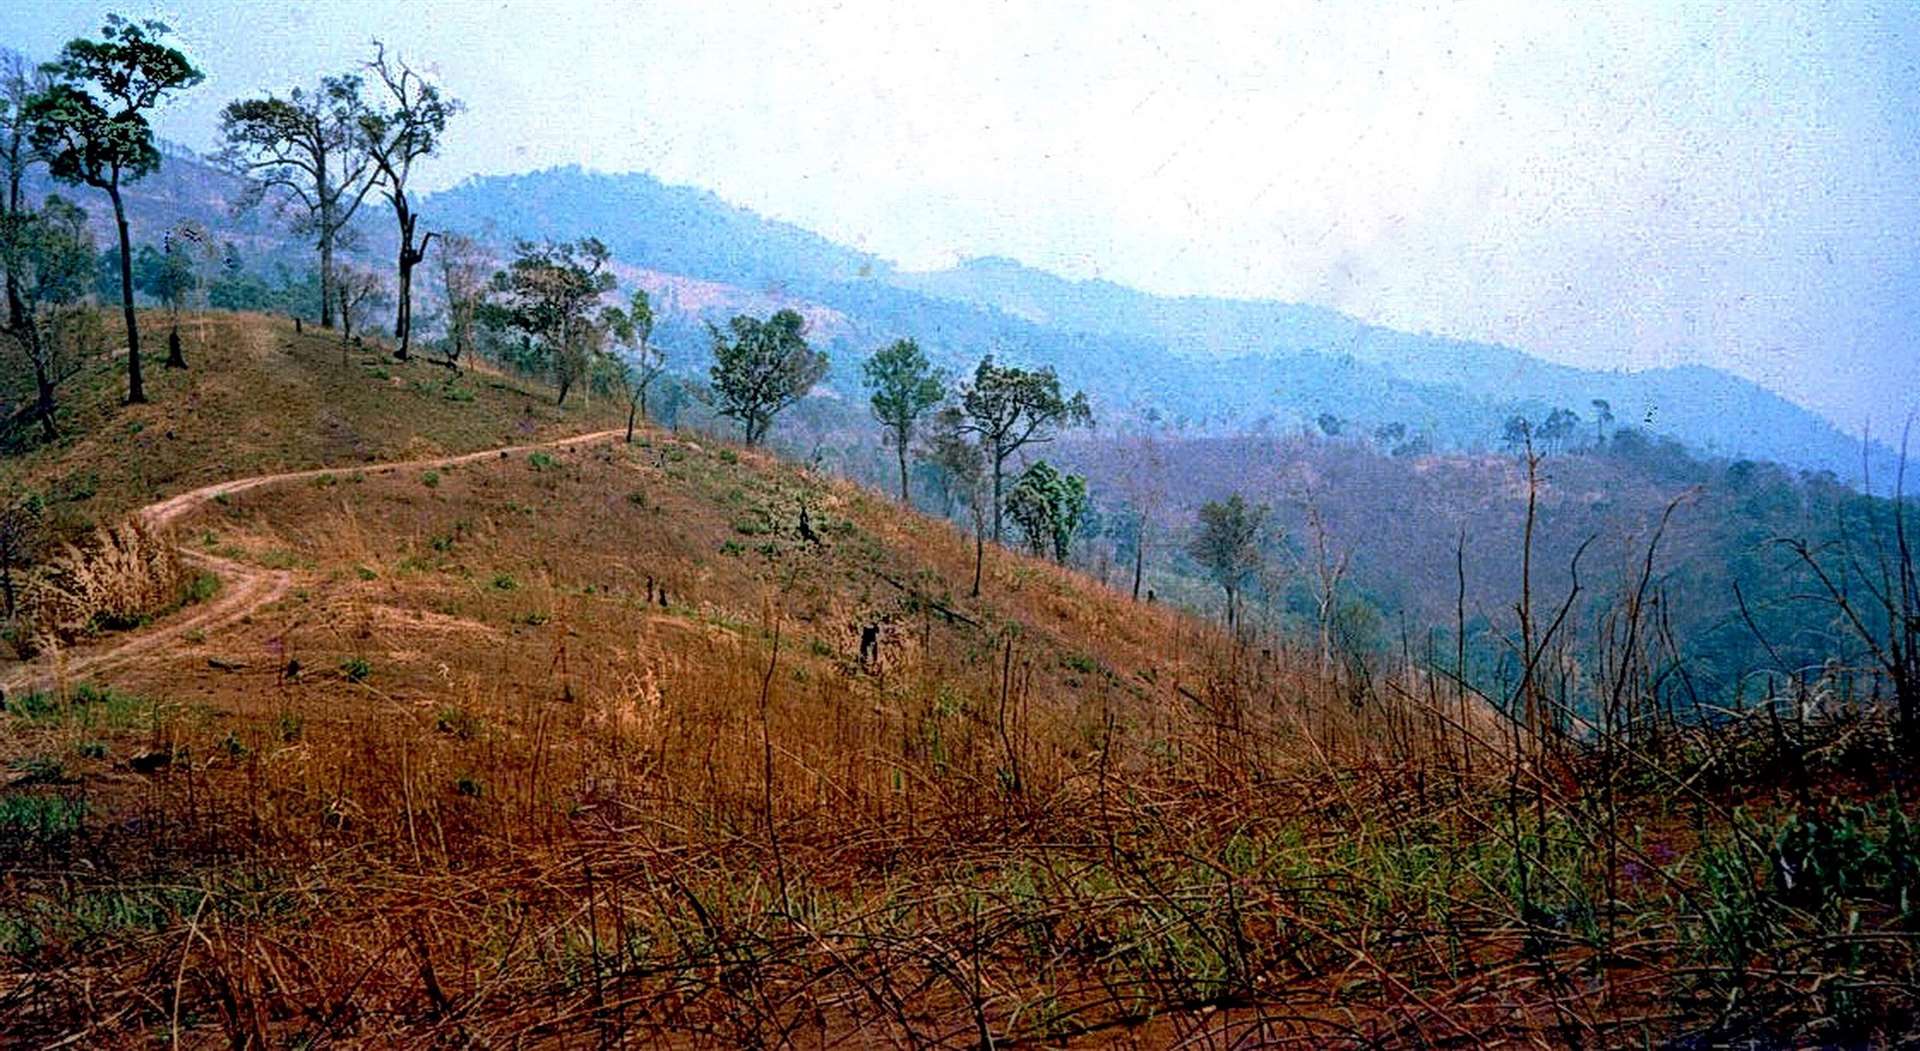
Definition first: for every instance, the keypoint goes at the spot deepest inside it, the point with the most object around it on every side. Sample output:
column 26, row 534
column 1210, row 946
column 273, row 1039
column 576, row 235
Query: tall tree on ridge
column 307, row 149
column 762, row 367
column 408, row 128
column 1007, row 408
column 91, row 126
column 905, row 387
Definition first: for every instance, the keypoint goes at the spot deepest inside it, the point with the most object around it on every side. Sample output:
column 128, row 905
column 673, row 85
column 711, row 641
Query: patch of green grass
column 91, row 749
column 734, row 548
column 356, row 669
column 540, row 461
column 202, row 588
column 504, row 582
column 364, row 573
column 325, row 481
column 430, row 479
column 40, row 817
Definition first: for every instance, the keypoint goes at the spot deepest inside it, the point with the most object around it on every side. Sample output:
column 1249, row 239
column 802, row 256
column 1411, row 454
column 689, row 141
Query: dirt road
column 243, row 588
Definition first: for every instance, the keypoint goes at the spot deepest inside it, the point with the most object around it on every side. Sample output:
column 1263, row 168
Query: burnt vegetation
column 498, row 696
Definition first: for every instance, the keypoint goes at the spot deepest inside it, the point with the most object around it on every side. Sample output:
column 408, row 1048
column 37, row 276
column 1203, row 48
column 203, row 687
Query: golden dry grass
column 582, row 749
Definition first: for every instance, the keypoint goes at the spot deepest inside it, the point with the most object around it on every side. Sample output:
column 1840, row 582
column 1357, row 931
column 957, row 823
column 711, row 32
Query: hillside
column 573, row 738
column 260, row 398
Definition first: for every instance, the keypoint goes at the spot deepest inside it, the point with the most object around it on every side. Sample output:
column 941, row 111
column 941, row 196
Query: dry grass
column 118, row 577
column 583, row 751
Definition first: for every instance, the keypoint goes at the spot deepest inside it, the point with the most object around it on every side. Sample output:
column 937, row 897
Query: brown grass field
column 673, row 744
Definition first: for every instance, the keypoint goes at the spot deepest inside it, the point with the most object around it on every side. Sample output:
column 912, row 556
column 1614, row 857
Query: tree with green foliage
column 549, row 294
column 1049, row 507
column 1517, row 434
column 1008, row 408
column 762, row 367
column 306, row 149
column 1602, row 416
column 405, row 129
column 91, row 126
column 48, row 256
column 1559, row 427
column 632, row 329
column 905, row 387
column 1227, row 546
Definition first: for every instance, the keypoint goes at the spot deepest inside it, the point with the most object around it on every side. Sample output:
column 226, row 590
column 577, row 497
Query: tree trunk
column 904, row 497
column 998, row 459
column 1139, row 555
column 410, row 257
column 136, row 383
column 176, row 358
column 43, row 384
column 979, row 550
column 632, row 408
column 326, row 277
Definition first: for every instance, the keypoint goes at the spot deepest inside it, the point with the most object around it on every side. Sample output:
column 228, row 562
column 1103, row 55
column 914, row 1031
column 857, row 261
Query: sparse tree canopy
column 1050, row 507
column 306, row 149
column 550, row 294
column 91, row 126
column 49, row 259
column 640, row 361
column 1007, row 408
column 905, row 387
column 762, row 367
column 463, row 268
column 1227, row 545
column 404, row 127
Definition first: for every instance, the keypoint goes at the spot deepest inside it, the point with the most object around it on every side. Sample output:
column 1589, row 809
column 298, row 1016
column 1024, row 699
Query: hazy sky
column 1627, row 185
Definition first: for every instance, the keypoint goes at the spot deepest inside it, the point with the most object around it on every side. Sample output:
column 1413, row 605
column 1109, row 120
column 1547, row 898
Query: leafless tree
column 405, row 129
column 464, row 269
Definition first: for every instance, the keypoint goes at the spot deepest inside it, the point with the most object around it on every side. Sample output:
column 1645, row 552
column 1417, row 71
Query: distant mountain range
column 1199, row 365
column 1210, row 365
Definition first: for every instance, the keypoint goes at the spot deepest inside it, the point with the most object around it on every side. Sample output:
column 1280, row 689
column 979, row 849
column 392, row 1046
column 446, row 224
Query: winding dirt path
column 243, row 588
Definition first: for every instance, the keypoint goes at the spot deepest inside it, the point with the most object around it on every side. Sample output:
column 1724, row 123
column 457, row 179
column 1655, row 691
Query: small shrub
column 457, row 722
column 733, row 548
column 540, row 461
column 504, row 582
column 91, row 749
column 356, row 669
column 431, row 479
column 729, row 456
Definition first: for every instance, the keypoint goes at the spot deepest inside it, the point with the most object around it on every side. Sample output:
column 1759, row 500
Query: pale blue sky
column 1736, row 184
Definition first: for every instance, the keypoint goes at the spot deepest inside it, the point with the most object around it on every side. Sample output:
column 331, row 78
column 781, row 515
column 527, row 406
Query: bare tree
column 408, row 128
column 355, row 288
column 1145, row 486
column 307, row 149
column 464, row 268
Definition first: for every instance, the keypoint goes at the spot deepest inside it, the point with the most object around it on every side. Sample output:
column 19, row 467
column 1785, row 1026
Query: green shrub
column 356, row 669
